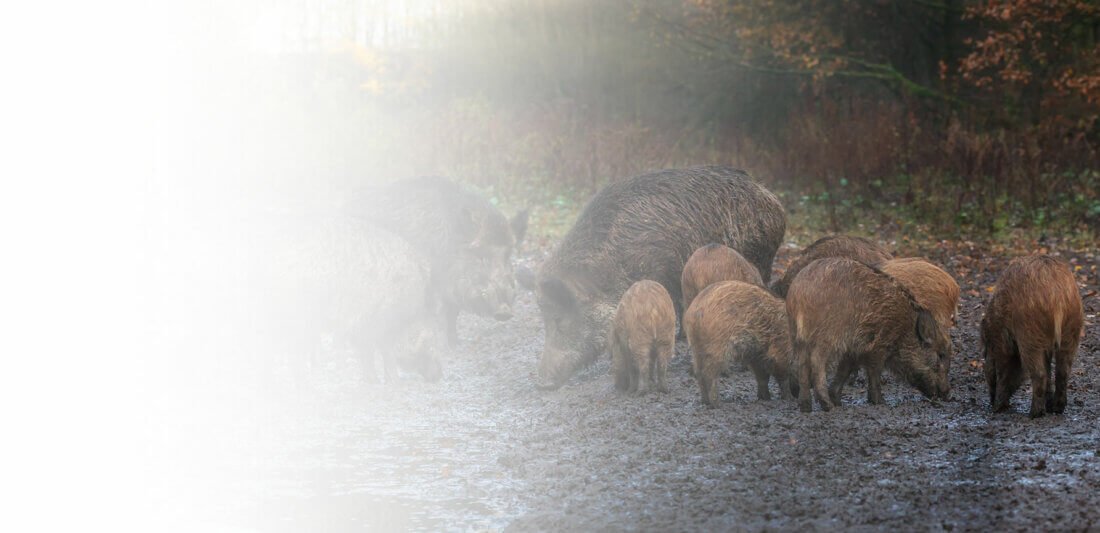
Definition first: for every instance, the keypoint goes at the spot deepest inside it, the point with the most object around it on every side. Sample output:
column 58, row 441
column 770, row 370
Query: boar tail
column 1058, row 329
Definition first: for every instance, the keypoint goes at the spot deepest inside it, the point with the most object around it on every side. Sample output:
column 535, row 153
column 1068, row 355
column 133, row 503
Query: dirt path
column 483, row 450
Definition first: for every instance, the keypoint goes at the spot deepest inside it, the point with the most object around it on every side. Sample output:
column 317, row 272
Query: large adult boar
column 644, row 228
column 732, row 320
column 856, row 248
column 846, row 312
column 467, row 240
column 342, row 278
column 933, row 288
column 1033, row 319
column 711, row 264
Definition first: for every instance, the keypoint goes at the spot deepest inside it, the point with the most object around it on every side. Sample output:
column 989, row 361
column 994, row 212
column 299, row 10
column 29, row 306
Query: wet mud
column 484, row 450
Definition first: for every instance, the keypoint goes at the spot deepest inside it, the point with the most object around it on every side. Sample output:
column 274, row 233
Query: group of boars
column 695, row 247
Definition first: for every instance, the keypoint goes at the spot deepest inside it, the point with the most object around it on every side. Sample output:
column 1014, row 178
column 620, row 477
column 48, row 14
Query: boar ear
column 927, row 328
column 474, row 222
column 556, row 292
column 519, row 225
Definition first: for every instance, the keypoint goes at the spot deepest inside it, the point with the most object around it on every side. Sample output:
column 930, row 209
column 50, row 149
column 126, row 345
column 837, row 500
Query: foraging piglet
column 713, row 263
column 855, row 315
column 933, row 288
column 643, row 338
column 1034, row 318
column 857, row 248
column 735, row 320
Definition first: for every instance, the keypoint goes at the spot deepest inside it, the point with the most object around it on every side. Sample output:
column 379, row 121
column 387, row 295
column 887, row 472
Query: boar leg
column 1036, row 367
column 781, row 372
column 450, row 317
column 620, row 371
column 366, row 366
column 708, row 388
column 844, row 370
column 802, row 354
column 641, row 372
column 1063, row 362
column 368, row 353
column 389, row 366
column 631, row 373
column 991, row 379
column 784, row 387
column 762, row 378
column 1009, row 375
column 662, row 371
column 819, row 363
column 652, row 374
column 873, row 370
column 1048, row 359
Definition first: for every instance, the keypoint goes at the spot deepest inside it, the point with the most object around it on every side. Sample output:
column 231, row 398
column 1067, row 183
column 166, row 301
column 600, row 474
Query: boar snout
column 432, row 370
column 555, row 367
column 944, row 392
column 503, row 312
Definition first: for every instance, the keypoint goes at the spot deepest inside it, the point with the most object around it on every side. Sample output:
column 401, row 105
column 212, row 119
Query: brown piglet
column 713, row 263
column 1034, row 319
column 845, row 312
column 859, row 249
column 733, row 320
column 642, row 338
column 933, row 288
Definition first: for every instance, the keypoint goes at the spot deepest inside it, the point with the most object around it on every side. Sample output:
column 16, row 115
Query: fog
column 210, row 294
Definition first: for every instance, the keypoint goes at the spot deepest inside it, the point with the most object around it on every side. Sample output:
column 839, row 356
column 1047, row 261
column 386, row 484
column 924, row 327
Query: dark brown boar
column 713, row 263
column 1035, row 317
column 644, row 228
column 733, row 320
column 857, row 248
column 643, row 338
column 468, row 242
column 933, row 288
column 845, row 312
column 340, row 277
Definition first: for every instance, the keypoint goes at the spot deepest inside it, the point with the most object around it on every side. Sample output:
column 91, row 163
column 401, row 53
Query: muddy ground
column 484, row 450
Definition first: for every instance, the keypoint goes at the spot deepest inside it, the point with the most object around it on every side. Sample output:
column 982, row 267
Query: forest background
column 939, row 119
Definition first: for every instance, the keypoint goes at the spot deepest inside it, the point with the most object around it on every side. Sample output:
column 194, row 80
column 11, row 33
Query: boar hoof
column 548, row 385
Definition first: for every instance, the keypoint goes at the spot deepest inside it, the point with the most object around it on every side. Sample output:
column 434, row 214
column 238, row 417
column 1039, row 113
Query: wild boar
column 643, row 338
column 846, row 312
column 713, row 263
column 468, row 242
column 644, row 228
column 857, row 248
column 1034, row 317
column 732, row 320
column 933, row 288
column 343, row 278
